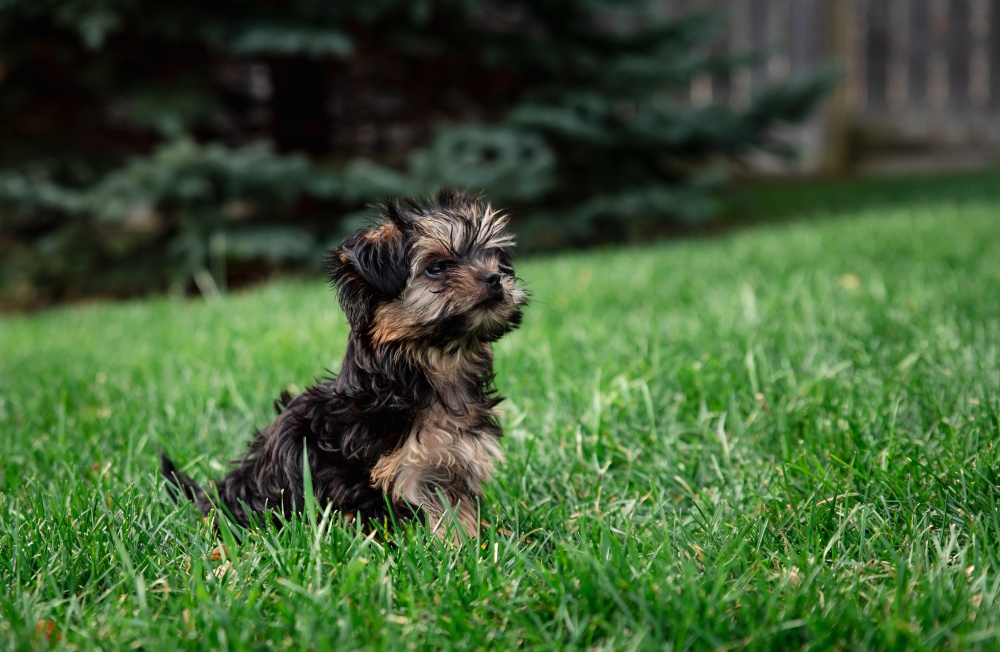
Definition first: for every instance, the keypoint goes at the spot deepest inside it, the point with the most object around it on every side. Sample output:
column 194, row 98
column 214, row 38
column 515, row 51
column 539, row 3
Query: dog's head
column 437, row 273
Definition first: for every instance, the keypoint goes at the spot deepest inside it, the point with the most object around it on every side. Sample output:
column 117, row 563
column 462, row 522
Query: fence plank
column 807, row 37
column 835, row 156
column 959, row 50
column 760, row 39
column 923, row 72
column 993, row 54
column 919, row 39
column 721, row 84
column 877, row 54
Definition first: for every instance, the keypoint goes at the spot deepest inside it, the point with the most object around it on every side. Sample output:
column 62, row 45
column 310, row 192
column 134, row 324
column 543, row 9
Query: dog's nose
column 492, row 279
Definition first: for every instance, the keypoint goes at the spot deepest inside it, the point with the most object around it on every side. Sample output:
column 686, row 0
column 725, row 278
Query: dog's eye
column 504, row 264
column 434, row 270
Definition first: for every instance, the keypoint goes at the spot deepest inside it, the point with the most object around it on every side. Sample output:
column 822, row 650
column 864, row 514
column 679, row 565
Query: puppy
column 409, row 426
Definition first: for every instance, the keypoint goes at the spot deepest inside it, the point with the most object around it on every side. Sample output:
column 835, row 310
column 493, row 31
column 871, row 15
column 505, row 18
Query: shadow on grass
column 761, row 202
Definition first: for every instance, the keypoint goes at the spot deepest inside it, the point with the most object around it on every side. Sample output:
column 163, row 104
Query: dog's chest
column 443, row 451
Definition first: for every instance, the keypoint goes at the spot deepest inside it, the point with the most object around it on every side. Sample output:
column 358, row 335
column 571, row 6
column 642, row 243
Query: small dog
column 408, row 427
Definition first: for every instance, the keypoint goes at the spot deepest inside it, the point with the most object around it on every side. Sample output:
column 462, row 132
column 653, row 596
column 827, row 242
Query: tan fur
column 442, row 445
column 416, row 311
column 442, row 463
column 410, row 317
column 442, row 235
column 439, row 444
column 387, row 232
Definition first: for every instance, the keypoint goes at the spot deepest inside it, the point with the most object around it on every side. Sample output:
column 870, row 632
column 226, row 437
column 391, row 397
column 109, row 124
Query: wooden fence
column 921, row 78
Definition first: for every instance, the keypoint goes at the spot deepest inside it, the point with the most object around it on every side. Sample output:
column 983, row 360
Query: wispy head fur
column 438, row 273
column 409, row 425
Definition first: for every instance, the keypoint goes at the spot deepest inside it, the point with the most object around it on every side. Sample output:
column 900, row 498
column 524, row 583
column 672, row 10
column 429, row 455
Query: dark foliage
column 183, row 144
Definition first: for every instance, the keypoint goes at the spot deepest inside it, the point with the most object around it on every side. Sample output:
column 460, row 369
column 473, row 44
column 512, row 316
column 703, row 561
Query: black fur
column 347, row 424
column 365, row 272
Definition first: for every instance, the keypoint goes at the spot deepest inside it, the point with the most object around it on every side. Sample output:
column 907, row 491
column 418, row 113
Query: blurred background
column 198, row 146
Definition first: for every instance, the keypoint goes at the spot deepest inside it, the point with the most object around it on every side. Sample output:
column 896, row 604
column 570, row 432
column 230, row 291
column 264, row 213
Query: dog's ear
column 370, row 266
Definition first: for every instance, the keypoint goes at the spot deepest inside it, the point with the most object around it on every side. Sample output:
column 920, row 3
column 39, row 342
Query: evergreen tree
column 181, row 138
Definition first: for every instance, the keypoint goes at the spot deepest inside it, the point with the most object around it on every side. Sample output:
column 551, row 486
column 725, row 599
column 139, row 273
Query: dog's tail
column 182, row 484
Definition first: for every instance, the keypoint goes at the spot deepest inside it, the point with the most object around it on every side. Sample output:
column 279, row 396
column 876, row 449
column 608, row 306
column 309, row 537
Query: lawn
column 784, row 437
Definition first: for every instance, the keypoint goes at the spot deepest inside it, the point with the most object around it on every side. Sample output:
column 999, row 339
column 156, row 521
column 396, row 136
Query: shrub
column 146, row 146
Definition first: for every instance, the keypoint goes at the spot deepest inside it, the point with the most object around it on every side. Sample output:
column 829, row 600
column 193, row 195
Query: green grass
column 783, row 438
